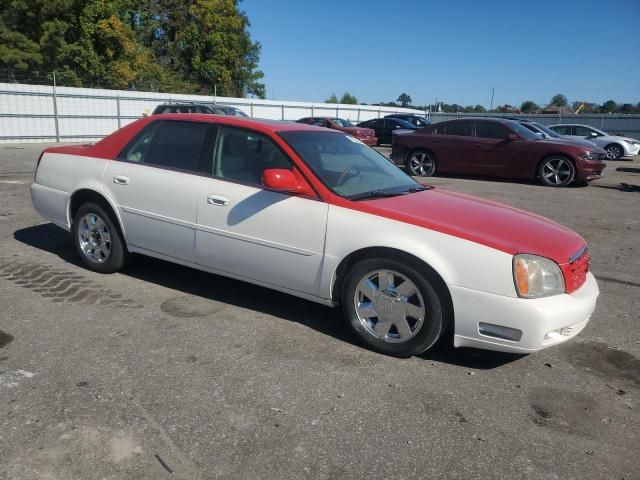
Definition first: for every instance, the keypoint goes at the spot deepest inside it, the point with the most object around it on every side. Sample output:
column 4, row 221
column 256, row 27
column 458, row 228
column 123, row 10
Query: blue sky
column 455, row 50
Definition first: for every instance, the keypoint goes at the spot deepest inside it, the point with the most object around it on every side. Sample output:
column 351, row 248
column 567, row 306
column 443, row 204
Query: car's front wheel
column 97, row 239
column 421, row 164
column 614, row 152
column 556, row 172
column 393, row 307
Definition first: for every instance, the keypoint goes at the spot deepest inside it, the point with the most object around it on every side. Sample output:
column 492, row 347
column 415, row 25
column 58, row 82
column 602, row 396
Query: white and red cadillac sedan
column 315, row 213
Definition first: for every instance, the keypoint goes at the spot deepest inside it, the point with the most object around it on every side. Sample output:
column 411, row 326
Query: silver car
column 615, row 146
column 546, row 132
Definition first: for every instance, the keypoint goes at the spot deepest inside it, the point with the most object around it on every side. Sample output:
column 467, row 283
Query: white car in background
column 615, row 146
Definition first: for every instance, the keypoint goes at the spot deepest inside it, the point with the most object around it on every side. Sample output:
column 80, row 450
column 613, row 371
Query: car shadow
column 326, row 320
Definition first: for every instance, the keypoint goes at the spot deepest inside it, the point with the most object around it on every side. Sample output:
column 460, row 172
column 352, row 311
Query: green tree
column 214, row 48
column 529, row 106
column 404, row 99
column 348, row 99
column 627, row 108
column 332, row 99
column 479, row 109
column 559, row 100
column 609, row 107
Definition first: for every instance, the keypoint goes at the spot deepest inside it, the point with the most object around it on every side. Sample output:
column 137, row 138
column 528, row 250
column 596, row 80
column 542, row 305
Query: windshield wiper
column 375, row 194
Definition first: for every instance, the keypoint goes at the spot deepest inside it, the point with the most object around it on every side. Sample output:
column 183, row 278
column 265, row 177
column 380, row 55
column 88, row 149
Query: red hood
column 482, row 221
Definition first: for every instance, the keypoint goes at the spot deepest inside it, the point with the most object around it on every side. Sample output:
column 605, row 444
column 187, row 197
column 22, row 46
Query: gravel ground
column 165, row 369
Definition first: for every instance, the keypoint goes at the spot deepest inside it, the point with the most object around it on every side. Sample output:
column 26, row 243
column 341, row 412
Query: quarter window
column 491, row 130
column 243, row 156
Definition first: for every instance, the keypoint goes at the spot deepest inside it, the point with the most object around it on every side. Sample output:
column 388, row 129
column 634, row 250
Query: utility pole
column 492, row 92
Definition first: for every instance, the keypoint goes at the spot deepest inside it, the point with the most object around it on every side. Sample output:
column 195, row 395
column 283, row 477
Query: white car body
column 628, row 146
column 296, row 244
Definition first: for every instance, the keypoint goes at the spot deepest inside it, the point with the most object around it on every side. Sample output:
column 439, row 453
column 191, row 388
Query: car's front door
column 154, row 184
column 249, row 231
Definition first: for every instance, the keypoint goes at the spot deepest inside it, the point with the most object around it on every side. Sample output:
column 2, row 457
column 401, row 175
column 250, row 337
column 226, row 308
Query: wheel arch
column 399, row 255
column 555, row 154
column 87, row 194
column 413, row 150
column 381, row 252
column 616, row 144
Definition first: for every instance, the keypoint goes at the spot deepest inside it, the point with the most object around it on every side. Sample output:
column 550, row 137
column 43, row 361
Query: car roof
column 573, row 125
column 255, row 123
column 502, row 120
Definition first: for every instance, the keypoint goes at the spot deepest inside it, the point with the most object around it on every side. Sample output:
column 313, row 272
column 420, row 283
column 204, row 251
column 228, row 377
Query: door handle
column 121, row 180
column 217, row 200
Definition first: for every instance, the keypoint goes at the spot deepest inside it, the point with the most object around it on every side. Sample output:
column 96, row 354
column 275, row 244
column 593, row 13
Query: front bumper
column 590, row 170
column 543, row 321
column 633, row 149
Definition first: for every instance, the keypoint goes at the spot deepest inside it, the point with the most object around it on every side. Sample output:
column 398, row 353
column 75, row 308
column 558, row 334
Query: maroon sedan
column 495, row 147
column 365, row 135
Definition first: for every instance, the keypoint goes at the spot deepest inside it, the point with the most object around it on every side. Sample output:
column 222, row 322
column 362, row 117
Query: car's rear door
column 155, row 184
column 249, row 231
column 453, row 146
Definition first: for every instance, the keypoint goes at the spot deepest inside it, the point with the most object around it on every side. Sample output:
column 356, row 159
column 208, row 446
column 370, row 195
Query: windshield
column 420, row 121
column 342, row 122
column 347, row 166
column 524, row 132
column 234, row 112
column 546, row 130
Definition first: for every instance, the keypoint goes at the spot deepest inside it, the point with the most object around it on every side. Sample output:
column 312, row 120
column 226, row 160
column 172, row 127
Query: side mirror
column 593, row 134
column 513, row 136
column 286, row 181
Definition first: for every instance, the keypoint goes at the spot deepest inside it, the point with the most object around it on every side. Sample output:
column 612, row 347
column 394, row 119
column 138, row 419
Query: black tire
column 556, row 171
column 436, row 318
column 118, row 255
column 614, row 151
column 421, row 163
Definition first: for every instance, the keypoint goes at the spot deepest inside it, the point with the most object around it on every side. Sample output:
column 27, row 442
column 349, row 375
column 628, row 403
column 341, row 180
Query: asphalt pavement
column 166, row 372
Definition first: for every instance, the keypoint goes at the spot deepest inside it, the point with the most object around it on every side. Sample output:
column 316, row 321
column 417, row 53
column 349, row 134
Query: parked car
column 417, row 120
column 365, row 135
column 318, row 214
column 495, row 147
column 209, row 108
column 615, row 146
column 546, row 132
column 384, row 128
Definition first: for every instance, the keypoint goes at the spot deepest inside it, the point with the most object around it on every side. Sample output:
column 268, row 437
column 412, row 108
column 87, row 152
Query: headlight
column 589, row 156
column 536, row 277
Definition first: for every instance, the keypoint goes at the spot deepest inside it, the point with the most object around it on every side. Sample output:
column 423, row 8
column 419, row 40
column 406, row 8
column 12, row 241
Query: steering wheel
column 343, row 175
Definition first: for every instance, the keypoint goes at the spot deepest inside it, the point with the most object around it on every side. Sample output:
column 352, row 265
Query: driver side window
column 242, row 156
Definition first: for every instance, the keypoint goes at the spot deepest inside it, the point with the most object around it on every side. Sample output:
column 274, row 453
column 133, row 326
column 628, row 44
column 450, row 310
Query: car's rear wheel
column 614, row 152
column 421, row 164
column 97, row 239
column 393, row 307
column 556, row 172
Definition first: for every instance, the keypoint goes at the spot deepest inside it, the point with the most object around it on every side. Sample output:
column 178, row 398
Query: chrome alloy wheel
column 389, row 306
column 613, row 152
column 95, row 238
column 421, row 164
column 557, row 171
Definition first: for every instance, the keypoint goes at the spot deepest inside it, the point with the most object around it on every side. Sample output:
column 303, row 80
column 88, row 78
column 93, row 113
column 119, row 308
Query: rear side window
column 562, row 129
column 582, row 131
column 171, row 144
column 491, row 130
column 462, row 128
